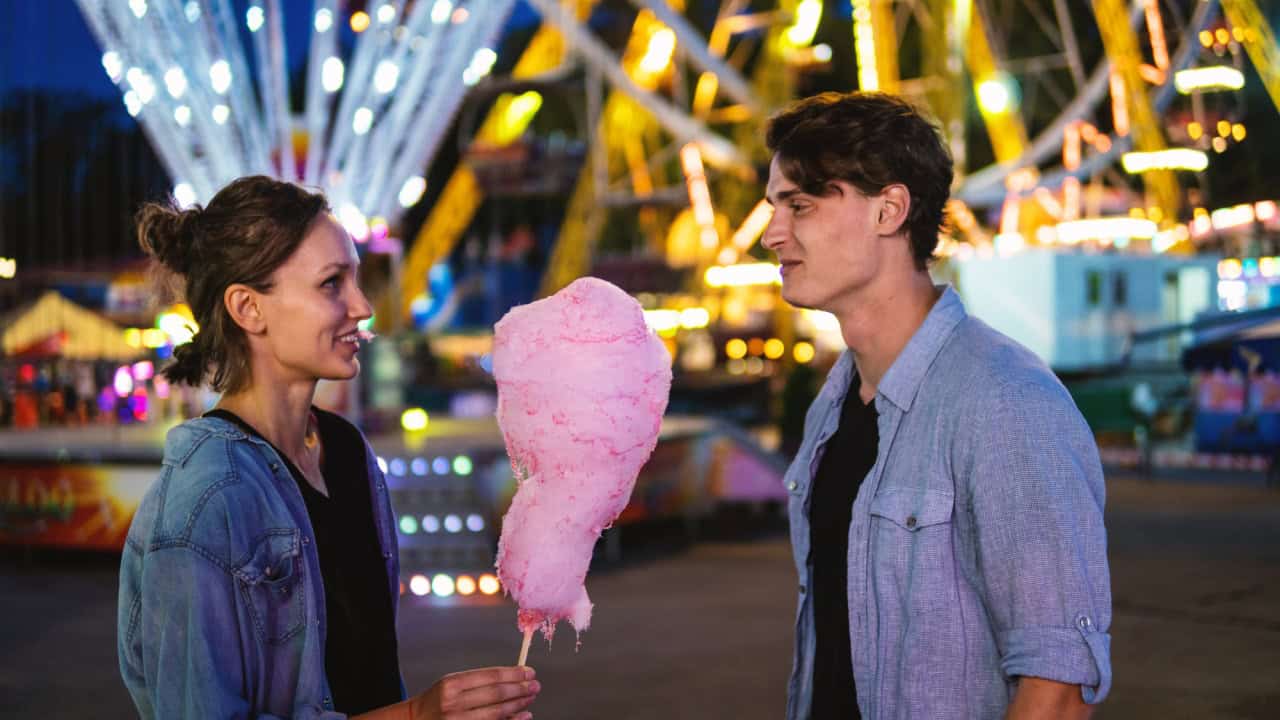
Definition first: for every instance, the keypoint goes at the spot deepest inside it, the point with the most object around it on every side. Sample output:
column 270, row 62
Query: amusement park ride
column 1073, row 125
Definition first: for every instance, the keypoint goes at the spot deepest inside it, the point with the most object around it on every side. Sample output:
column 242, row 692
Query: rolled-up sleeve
column 1037, row 500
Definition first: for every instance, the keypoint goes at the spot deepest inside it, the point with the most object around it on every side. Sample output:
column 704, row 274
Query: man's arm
column 1036, row 501
column 1040, row 699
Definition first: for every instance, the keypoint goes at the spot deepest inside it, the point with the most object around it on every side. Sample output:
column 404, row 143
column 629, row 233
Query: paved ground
column 704, row 632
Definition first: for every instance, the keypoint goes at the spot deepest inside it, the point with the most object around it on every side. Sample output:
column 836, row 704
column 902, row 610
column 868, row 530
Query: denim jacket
column 977, row 552
column 222, row 606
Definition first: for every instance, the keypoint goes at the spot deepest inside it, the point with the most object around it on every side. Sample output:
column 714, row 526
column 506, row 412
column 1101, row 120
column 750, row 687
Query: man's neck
column 879, row 323
column 280, row 411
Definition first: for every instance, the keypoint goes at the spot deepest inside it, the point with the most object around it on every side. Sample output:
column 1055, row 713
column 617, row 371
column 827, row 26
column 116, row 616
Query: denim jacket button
column 802, row 589
column 792, row 486
column 911, row 521
column 269, row 572
column 306, row 540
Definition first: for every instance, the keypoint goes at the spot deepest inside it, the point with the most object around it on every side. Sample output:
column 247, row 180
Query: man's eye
column 798, row 208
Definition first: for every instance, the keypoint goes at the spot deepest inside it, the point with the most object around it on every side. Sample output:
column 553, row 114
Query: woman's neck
column 280, row 412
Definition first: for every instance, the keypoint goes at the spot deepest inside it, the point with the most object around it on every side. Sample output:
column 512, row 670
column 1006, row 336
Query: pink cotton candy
column 582, row 386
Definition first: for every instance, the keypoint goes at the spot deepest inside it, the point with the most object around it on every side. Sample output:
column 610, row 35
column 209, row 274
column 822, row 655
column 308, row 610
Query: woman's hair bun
column 169, row 235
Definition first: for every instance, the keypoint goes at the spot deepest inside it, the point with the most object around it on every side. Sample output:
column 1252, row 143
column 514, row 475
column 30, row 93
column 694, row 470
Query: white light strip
column 1171, row 159
column 1213, row 77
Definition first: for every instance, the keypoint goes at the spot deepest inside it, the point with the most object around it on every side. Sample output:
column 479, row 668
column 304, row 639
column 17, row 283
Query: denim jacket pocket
column 271, row 582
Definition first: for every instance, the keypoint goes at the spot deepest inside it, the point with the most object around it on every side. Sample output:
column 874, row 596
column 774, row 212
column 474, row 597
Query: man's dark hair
column 871, row 141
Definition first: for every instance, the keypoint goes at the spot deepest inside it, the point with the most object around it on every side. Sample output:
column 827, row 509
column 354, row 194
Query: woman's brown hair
column 247, row 231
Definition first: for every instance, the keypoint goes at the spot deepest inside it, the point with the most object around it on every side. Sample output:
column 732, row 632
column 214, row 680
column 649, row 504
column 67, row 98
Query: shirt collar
column 901, row 383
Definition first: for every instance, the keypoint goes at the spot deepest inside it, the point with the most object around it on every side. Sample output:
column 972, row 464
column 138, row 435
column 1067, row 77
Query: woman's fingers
column 502, row 711
column 487, row 695
column 468, row 679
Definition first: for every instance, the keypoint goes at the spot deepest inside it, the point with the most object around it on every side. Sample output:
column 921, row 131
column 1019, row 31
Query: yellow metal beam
column 621, row 118
column 997, row 99
column 462, row 195
column 1259, row 42
column 875, row 40
column 1120, row 41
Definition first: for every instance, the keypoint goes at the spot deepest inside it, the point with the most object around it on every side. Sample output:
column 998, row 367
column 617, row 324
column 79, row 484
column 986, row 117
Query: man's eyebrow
column 783, row 196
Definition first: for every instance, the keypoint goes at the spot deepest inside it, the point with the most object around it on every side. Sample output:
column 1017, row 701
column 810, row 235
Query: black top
column 360, row 652
column 848, row 457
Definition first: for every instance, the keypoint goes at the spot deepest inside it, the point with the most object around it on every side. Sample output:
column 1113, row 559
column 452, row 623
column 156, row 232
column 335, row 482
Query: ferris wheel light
column 112, row 63
column 412, row 190
column 132, row 103
column 807, row 16
column 184, row 194
column 254, row 18
column 657, row 56
column 220, row 76
column 1206, row 79
column 324, row 20
column 175, row 81
column 386, row 76
column 386, row 13
column 362, row 120
column 995, row 96
column 441, row 11
column 331, row 74
column 221, row 113
column 182, row 115
column 139, row 8
column 1171, row 159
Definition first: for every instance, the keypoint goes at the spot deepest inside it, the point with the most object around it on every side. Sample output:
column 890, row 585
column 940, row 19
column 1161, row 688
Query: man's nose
column 774, row 234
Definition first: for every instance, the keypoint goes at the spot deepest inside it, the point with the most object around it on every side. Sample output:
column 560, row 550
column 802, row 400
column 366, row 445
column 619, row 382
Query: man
column 946, row 501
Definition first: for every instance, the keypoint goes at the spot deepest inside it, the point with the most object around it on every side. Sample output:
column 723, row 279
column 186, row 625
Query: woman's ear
column 895, row 206
column 244, row 308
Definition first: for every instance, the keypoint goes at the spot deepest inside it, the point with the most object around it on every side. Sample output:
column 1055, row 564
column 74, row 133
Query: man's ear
column 242, row 304
column 895, row 205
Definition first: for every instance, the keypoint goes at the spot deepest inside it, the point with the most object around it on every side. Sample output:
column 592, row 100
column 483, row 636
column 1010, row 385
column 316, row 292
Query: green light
column 408, row 525
column 367, row 324
column 462, row 465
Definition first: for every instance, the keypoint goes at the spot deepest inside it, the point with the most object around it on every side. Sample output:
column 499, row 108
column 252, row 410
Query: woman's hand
column 495, row 693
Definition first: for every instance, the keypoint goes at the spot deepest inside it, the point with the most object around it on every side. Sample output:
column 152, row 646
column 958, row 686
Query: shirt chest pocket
column 912, row 551
column 271, row 583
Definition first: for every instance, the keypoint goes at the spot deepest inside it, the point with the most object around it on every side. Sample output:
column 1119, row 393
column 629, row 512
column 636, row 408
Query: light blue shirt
column 222, row 606
column 977, row 552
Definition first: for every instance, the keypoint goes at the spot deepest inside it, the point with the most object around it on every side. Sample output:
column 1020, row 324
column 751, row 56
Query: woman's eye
column 331, row 282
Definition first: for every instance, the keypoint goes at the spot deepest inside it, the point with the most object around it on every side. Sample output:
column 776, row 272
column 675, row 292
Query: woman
column 260, row 575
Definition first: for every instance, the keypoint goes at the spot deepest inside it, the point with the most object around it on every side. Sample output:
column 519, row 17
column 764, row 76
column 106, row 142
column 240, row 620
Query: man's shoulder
column 996, row 370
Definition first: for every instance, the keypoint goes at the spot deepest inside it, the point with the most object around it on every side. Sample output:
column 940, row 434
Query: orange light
column 489, row 584
column 755, row 346
column 359, row 21
column 465, row 584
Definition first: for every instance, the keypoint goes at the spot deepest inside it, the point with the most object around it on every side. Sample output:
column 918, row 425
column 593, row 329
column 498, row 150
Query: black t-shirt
column 847, row 459
column 360, row 653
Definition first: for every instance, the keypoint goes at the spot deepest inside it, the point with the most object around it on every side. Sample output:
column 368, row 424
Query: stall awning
column 56, row 327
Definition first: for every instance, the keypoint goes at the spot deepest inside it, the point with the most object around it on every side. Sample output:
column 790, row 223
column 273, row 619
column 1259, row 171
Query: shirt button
column 270, row 572
column 911, row 521
column 381, row 486
column 275, row 466
column 306, row 541
column 386, row 555
column 792, row 486
column 802, row 589
column 1085, row 623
